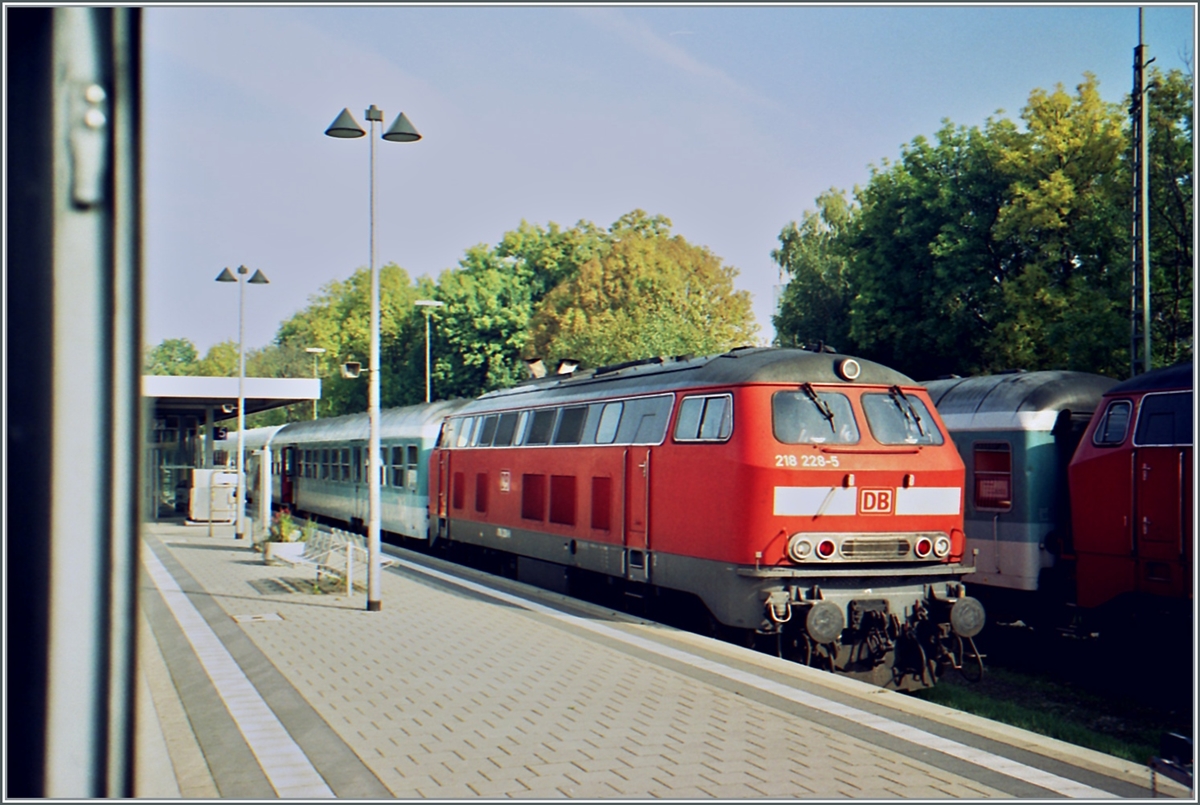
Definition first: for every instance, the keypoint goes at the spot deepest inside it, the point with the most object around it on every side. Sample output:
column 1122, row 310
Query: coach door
column 1162, row 484
column 287, row 477
column 637, row 514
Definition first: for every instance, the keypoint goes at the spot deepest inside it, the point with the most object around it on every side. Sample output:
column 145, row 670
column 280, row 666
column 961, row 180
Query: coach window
column 993, row 475
column 505, row 428
column 410, row 467
column 541, row 426
column 398, row 466
column 1164, row 420
column 570, row 425
column 1114, row 424
column 705, row 419
column 357, row 452
column 466, row 425
column 325, row 465
column 610, row 418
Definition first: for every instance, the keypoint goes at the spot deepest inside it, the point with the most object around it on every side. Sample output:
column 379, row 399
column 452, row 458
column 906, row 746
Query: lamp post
column 427, row 306
column 259, row 278
column 315, row 351
column 401, row 131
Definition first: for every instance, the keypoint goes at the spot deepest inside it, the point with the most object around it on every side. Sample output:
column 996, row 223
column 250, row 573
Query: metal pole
column 315, row 378
column 241, row 462
column 1145, row 201
column 374, row 604
column 427, row 385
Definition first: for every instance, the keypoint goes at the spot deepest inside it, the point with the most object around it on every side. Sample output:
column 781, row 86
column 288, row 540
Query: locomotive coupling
column 967, row 617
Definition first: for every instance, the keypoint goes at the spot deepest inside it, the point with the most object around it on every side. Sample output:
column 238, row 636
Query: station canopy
column 195, row 396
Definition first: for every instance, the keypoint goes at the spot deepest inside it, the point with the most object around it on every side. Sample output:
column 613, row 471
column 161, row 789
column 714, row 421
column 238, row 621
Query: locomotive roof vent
column 566, row 366
column 848, row 369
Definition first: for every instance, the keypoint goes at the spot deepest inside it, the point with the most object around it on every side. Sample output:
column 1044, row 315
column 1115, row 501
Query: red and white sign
column 876, row 501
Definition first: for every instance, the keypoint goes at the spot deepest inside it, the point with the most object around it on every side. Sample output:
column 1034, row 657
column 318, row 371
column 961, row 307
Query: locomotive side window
column 899, row 418
column 541, row 426
column 800, row 417
column 993, row 475
column 705, row 419
column 1114, row 425
column 644, row 420
column 610, row 418
column 505, row 430
column 570, row 425
column 487, row 432
column 1164, row 420
column 465, row 428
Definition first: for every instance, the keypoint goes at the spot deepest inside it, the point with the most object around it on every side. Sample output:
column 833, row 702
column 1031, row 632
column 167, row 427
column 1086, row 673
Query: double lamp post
column 401, row 131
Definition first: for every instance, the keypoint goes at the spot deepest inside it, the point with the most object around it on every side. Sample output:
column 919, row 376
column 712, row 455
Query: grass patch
column 1048, row 708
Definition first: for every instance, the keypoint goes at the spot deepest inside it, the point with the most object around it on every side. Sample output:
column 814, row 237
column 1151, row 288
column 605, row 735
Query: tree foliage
column 1006, row 246
column 172, row 357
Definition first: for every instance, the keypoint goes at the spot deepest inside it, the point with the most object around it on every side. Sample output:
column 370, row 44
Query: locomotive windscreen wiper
column 822, row 406
column 906, row 407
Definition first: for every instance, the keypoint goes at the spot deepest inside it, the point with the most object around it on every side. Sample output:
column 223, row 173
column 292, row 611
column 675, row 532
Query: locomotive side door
column 637, row 514
column 1161, row 480
column 439, row 527
column 1162, row 493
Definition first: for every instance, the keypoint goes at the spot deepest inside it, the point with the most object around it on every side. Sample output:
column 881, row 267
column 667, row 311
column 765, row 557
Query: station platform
column 252, row 685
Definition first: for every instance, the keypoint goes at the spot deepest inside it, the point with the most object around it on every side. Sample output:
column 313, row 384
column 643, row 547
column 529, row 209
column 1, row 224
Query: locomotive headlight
column 799, row 549
column 826, row 548
column 941, row 547
column 923, row 548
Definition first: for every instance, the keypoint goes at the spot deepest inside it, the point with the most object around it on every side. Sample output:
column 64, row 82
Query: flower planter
column 282, row 552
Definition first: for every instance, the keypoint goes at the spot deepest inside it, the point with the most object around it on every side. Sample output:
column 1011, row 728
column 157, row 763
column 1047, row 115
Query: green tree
column 815, row 307
column 338, row 319
column 1172, row 228
column 648, row 294
column 174, row 356
column 1068, row 216
column 221, row 360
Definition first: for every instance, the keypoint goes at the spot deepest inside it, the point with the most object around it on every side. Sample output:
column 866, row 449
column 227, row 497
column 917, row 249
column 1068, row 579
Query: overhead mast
column 1140, row 296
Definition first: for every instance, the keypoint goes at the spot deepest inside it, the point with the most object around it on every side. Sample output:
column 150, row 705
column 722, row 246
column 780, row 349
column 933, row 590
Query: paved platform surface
column 253, row 686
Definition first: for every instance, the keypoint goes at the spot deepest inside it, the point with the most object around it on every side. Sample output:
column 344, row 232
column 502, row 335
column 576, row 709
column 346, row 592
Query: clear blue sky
column 727, row 120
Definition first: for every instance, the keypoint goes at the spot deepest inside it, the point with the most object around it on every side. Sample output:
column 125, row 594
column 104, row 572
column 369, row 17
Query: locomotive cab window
column 807, row 416
column 486, row 432
column 570, row 425
column 505, row 430
column 705, row 419
column 899, row 418
column 993, row 475
column 1164, row 420
column 465, row 428
column 1114, row 424
column 610, row 419
column 541, row 426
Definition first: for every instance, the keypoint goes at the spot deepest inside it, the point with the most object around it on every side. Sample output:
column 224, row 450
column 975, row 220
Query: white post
column 241, row 462
column 374, row 604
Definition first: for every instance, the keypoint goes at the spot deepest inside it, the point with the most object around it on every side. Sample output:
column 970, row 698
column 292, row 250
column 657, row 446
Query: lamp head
column 344, row 126
column 259, row 278
column 226, row 276
column 401, row 131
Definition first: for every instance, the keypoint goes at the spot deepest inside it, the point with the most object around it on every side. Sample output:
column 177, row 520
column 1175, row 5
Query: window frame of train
column 992, row 504
column 878, row 407
column 1102, row 437
column 628, row 421
column 412, row 464
column 689, row 429
column 1181, row 415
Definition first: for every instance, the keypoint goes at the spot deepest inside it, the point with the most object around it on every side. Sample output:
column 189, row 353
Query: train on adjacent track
column 808, row 497
column 1079, row 496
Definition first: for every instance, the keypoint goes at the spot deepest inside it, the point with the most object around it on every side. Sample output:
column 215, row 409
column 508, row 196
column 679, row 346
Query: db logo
column 875, row 501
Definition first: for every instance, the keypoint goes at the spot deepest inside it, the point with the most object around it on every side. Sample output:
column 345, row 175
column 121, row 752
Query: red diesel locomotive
column 805, row 495
column 1132, row 500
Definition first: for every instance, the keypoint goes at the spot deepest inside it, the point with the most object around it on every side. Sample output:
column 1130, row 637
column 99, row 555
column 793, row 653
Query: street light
column 401, row 131
column 315, row 351
column 259, row 278
column 427, row 305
